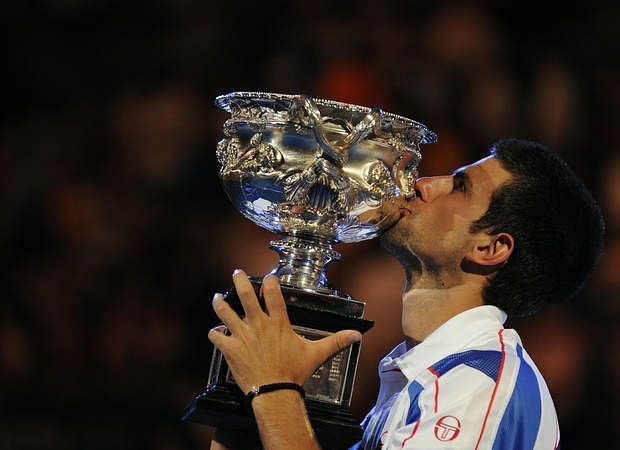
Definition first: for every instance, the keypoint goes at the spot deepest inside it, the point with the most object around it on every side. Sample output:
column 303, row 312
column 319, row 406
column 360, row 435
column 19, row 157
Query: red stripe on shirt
column 415, row 428
column 434, row 372
column 499, row 377
column 417, row 423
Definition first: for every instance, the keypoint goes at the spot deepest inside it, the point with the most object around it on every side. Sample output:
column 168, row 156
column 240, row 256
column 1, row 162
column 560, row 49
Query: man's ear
column 492, row 249
column 489, row 253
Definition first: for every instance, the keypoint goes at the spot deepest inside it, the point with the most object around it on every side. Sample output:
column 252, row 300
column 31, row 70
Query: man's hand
column 262, row 347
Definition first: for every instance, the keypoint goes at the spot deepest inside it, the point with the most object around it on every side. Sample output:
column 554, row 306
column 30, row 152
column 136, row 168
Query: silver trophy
column 316, row 172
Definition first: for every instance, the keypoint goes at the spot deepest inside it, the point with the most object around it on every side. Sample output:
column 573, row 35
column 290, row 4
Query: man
column 507, row 235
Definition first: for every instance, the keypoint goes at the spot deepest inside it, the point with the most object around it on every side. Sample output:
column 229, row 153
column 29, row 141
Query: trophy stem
column 303, row 261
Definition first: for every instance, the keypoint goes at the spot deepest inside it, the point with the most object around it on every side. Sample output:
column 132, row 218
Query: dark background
column 114, row 232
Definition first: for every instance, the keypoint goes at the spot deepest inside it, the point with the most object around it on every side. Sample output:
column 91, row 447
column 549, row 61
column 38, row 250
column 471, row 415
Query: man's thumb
column 339, row 341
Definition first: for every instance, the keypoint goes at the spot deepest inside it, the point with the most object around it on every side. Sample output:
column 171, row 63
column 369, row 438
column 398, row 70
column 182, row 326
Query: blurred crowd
column 115, row 233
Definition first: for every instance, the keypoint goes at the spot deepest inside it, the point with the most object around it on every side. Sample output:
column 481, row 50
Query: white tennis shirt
column 469, row 385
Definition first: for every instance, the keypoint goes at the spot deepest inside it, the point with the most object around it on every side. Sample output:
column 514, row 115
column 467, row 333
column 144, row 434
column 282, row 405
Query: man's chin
column 394, row 243
column 397, row 242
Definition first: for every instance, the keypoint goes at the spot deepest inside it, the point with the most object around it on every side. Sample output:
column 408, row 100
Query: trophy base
column 328, row 391
column 222, row 406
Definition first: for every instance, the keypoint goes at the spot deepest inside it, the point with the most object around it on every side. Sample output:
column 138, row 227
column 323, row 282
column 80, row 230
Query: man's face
column 435, row 225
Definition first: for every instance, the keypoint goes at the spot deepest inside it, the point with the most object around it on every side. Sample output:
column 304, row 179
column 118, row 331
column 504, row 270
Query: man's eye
column 458, row 185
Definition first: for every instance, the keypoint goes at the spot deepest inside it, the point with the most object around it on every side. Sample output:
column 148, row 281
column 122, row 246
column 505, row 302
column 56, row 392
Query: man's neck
column 428, row 305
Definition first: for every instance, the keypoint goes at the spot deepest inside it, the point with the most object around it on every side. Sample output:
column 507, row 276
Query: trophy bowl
column 317, row 172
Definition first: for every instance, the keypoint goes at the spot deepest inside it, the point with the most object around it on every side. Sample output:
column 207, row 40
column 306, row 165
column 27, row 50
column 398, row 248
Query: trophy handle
column 405, row 170
column 363, row 128
column 311, row 117
column 338, row 154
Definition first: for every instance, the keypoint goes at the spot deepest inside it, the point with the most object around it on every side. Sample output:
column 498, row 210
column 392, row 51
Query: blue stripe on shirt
column 521, row 421
column 486, row 361
column 414, row 412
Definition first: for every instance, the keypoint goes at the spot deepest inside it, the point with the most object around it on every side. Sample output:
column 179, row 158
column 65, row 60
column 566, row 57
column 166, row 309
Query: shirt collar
column 451, row 337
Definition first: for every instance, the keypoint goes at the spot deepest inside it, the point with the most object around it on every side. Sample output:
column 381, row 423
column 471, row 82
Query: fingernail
column 217, row 297
column 355, row 336
column 270, row 275
column 236, row 271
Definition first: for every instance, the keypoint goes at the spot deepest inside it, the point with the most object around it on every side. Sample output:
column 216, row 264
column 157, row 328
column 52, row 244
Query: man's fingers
column 246, row 294
column 217, row 337
column 274, row 301
column 221, row 328
column 336, row 342
column 226, row 314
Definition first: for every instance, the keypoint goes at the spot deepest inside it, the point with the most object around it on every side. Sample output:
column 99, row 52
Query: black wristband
column 258, row 390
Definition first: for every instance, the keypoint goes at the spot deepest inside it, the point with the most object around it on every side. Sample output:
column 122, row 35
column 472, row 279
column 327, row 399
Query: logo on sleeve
column 447, row 428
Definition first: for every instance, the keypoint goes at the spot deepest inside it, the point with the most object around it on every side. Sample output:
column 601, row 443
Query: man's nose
column 431, row 188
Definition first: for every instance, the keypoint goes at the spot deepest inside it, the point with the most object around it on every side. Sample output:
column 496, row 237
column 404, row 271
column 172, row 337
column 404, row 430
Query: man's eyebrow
column 461, row 175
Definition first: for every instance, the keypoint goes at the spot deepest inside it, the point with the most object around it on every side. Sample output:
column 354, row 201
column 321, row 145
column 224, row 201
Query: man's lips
column 405, row 207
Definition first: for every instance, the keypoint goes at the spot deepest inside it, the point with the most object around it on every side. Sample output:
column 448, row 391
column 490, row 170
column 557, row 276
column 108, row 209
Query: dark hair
column 556, row 224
